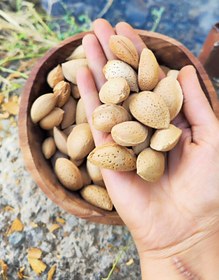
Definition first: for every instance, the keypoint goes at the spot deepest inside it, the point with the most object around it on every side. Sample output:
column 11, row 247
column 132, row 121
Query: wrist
column 199, row 261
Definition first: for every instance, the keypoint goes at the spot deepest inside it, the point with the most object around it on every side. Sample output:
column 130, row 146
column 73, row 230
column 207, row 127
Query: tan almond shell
column 55, row 76
column 130, row 133
column 71, row 67
column 126, row 103
column 42, row 106
column 173, row 73
column 85, row 175
column 105, row 116
column 150, row 165
column 48, row 147
column 80, row 142
column 166, row 139
column 57, row 155
column 94, row 172
column 150, row 109
column 68, row 174
column 119, row 69
column 148, row 70
column 81, row 116
column 169, row 89
column 62, row 90
column 140, row 147
column 124, row 49
column 60, row 140
column 54, row 118
column 70, row 113
column 113, row 156
column 114, row 91
column 77, row 53
column 97, row 196
column 75, row 91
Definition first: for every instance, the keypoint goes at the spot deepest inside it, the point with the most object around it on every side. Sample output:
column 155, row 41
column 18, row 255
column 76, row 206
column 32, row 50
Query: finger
column 89, row 95
column 103, row 30
column 196, row 107
column 96, row 58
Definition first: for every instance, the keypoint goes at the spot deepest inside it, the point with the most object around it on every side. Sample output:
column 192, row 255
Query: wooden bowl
column 168, row 52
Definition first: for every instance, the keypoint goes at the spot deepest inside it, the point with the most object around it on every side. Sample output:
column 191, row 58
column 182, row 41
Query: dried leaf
column 33, row 225
column 130, row 262
column 11, row 107
column 34, row 253
column 54, row 227
column 51, row 272
column 37, row 265
column 8, row 208
column 20, row 273
column 16, row 226
column 60, row 220
column 4, row 270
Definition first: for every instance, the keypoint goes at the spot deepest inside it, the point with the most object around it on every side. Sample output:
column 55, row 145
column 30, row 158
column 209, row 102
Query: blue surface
column 186, row 21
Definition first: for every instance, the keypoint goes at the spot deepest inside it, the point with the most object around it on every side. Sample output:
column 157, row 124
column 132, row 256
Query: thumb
column 196, row 107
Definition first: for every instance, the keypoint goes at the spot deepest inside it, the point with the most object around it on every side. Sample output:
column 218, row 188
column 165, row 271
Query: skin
column 184, row 203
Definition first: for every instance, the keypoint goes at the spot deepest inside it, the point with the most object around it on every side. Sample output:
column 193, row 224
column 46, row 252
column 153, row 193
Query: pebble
column 16, row 238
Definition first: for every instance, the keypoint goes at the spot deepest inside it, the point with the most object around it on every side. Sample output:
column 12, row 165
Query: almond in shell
column 119, row 69
column 42, row 106
column 85, row 175
column 54, row 118
column 114, row 91
column 130, row 133
column 150, row 165
column 62, row 90
column 55, row 76
column 97, row 196
column 48, row 147
column 94, row 172
column 80, row 142
column 140, row 147
column 124, row 49
column 169, row 89
column 150, row 109
column 68, row 174
column 105, row 116
column 69, row 113
column 166, row 139
column 71, row 67
column 113, row 156
column 77, row 53
column 81, row 116
column 60, row 140
column 148, row 70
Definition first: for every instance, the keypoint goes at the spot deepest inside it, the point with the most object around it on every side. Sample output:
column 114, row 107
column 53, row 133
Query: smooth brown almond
column 105, row 116
column 60, row 140
column 119, row 69
column 94, row 172
column 130, row 133
column 114, row 91
column 62, row 90
column 97, row 196
column 54, row 118
column 42, row 106
column 80, row 142
column 55, row 76
column 113, row 156
column 48, row 147
column 148, row 70
column 69, row 113
column 150, row 109
column 77, row 53
column 68, row 174
column 124, row 49
column 150, row 165
column 166, row 139
column 169, row 89
column 70, row 69
column 81, row 116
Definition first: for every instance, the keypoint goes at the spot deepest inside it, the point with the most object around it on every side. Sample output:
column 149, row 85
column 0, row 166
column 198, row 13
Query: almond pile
column 137, row 110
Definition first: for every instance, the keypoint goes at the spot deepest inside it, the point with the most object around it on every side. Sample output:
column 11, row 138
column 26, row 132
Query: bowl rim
column 93, row 214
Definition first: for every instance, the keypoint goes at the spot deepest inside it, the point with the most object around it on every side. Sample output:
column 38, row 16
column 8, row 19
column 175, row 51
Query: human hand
column 183, row 205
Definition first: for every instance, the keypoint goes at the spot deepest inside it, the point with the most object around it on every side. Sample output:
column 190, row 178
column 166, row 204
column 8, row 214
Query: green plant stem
column 8, row 70
column 157, row 13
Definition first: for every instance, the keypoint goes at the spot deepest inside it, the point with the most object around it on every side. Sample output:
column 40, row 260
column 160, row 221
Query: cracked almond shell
column 124, row 49
column 150, row 109
column 113, row 156
column 165, row 139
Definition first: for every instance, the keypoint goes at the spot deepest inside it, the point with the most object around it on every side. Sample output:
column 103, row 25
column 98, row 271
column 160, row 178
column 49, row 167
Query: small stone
column 16, row 239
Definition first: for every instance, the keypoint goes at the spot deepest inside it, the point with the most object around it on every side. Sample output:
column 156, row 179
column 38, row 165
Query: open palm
column 185, row 201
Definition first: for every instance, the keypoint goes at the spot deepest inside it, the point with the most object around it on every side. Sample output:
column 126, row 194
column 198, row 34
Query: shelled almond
column 137, row 110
